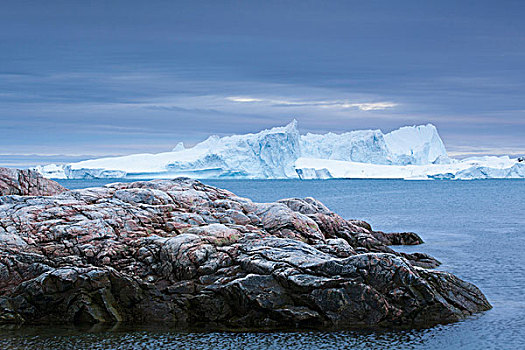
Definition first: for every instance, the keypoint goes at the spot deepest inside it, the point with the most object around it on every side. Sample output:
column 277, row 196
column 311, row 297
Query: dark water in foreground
column 476, row 228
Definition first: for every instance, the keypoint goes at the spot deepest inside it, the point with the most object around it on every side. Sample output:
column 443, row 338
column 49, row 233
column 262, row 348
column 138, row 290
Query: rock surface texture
column 182, row 252
column 26, row 183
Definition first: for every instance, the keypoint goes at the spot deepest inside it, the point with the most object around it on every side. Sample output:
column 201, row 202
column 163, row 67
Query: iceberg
column 408, row 145
column 365, row 146
column 267, row 154
column 411, row 152
column 468, row 169
column 179, row 147
column 416, row 145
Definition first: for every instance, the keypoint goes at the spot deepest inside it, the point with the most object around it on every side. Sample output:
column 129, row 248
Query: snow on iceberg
column 411, row 152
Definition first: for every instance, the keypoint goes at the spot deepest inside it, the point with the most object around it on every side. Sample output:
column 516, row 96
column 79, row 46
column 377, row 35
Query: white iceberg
column 416, row 145
column 468, row 169
column 411, row 152
column 267, row 154
column 179, row 147
column 408, row 145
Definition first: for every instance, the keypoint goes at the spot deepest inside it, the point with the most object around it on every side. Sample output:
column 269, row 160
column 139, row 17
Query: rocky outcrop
column 188, row 254
column 398, row 238
column 26, row 183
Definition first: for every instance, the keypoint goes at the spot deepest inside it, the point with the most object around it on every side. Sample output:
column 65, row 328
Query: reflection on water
column 125, row 337
column 476, row 228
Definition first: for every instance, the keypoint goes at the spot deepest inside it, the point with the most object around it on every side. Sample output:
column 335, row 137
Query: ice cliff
column 281, row 152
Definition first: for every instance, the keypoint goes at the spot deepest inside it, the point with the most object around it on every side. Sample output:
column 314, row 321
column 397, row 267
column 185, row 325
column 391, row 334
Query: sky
column 85, row 79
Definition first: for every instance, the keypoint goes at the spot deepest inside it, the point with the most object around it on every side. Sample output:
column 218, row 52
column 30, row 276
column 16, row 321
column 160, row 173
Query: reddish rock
column 27, row 183
column 188, row 254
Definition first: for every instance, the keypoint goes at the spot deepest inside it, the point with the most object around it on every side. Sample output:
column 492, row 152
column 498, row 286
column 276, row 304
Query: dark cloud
column 127, row 76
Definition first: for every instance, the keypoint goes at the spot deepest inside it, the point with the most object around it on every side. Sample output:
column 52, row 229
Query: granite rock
column 188, row 254
column 26, row 183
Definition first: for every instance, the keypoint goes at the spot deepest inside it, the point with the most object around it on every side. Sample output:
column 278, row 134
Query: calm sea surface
column 476, row 228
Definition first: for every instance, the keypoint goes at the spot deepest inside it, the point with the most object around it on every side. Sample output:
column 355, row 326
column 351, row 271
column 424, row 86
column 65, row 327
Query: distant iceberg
column 411, row 152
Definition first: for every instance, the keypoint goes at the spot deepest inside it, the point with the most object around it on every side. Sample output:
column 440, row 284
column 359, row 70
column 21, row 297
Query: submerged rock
column 26, row 183
column 185, row 253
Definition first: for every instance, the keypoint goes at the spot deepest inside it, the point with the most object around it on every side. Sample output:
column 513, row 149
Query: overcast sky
column 94, row 78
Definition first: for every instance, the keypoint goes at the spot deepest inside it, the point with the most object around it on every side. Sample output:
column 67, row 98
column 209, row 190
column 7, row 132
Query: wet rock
column 180, row 252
